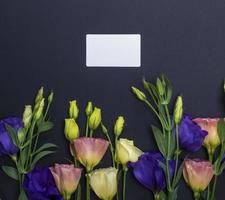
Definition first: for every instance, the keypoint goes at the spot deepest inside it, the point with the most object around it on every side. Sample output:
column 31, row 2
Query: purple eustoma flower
column 6, row 145
column 191, row 136
column 148, row 172
column 39, row 184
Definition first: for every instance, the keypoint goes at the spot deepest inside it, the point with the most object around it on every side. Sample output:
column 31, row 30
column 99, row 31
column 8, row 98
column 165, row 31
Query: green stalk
column 197, row 195
column 86, row 130
column 31, row 132
column 168, row 152
column 91, row 133
column 78, row 191
column 111, row 149
column 214, row 188
column 87, row 188
column 210, row 156
column 177, row 155
column 124, row 182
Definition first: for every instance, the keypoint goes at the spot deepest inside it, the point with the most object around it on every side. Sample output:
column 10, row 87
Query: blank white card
column 113, row 50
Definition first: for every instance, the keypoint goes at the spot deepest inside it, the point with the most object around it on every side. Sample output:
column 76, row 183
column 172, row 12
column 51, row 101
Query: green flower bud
column 140, row 95
column 50, row 97
column 89, row 108
column 104, row 130
column 160, row 87
column 118, row 127
column 39, row 110
column 95, row 119
column 73, row 110
column 22, row 135
column 71, row 130
column 39, row 95
column 27, row 116
column 178, row 110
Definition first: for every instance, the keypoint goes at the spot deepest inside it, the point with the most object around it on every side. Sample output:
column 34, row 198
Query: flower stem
column 210, row 156
column 124, row 182
column 86, row 130
column 214, row 188
column 78, row 191
column 196, row 195
column 176, row 155
column 87, row 188
column 31, row 132
column 91, row 133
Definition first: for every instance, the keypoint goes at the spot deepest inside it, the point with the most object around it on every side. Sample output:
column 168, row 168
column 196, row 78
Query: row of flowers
column 160, row 170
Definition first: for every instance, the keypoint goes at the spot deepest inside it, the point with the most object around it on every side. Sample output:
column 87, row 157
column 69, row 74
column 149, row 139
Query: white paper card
column 113, row 50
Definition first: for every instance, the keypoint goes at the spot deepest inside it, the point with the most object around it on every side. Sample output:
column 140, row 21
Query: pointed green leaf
column 221, row 130
column 39, row 156
column 160, row 140
column 11, row 172
column 179, row 174
column 44, row 147
column 12, row 135
column 45, row 126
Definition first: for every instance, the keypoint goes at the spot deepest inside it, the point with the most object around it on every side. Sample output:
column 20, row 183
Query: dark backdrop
column 42, row 42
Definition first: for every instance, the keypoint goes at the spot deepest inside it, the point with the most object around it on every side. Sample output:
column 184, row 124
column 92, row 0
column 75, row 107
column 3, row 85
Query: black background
column 42, row 42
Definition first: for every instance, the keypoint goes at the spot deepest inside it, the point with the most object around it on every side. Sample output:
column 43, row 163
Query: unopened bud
column 118, row 127
column 71, row 130
column 50, row 97
column 89, row 108
column 178, row 110
column 39, row 95
column 95, row 119
column 39, row 110
column 160, row 87
column 140, row 95
column 73, row 109
column 27, row 115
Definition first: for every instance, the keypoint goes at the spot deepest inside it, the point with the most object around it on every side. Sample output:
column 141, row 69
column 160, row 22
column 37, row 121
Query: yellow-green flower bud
column 50, row 97
column 118, row 127
column 39, row 95
column 39, row 110
column 140, row 95
column 89, row 108
column 160, row 87
column 73, row 110
column 95, row 119
column 71, row 130
column 27, row 116
column 178, row 110
column 22, row 135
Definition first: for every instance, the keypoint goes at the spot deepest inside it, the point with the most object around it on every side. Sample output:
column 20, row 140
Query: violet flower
column 191, row 136
column 148, row 172
column 39, row 184
column 6, row 144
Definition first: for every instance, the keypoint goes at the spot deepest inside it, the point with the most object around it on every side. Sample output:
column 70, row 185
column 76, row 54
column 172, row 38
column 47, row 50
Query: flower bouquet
column 177, row 135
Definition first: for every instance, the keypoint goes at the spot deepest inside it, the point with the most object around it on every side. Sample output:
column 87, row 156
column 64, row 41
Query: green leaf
column 172, row 145
column 12, row 135
column 11, row 172
column 44, row 147
column 179, row 174
column 222, row 167
column 160, row 140
column 22, row 159
column 39, row 156
column 22, row 196
column 221, row 130
column 45, row 126
column 162, row 195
